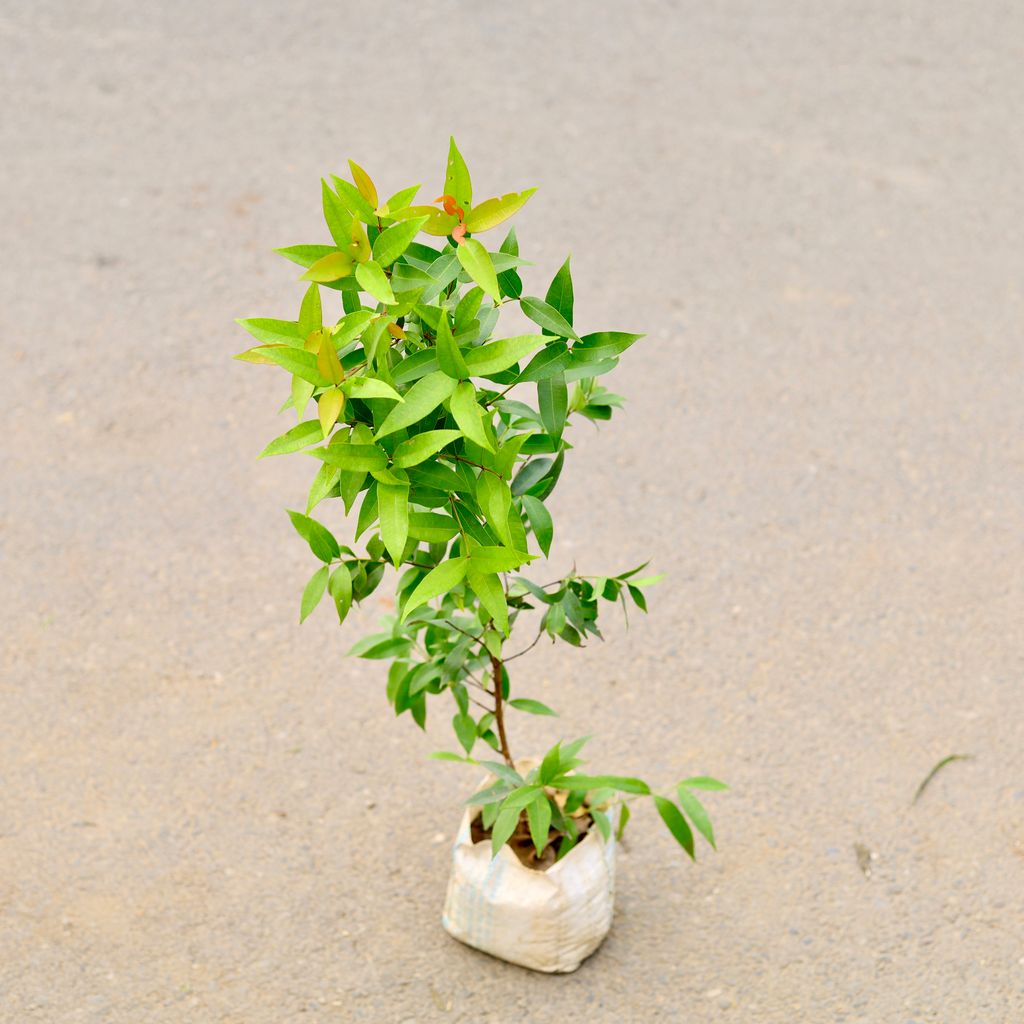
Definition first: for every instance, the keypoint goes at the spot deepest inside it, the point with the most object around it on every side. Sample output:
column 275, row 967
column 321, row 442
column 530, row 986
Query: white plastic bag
column 545, row 920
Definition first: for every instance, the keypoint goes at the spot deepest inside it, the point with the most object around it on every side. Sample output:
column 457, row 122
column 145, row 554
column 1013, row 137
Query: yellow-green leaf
column 492, row 212
column 439, row 580
column 314, row 591
column 332, row 267
column 327, row 361
column 437, row 222
column 294, row 440
column 372, row 279
column 364, row 183
column 369, row 387
column 328, row 407
column 393, row 241
column 476, row 261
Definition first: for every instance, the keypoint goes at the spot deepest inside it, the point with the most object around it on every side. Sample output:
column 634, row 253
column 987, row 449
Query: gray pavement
column 814, row 210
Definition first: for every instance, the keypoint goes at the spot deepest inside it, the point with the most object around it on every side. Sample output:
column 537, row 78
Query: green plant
column 416, row 426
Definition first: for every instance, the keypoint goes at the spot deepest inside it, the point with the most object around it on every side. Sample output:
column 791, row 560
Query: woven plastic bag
column 545, row 920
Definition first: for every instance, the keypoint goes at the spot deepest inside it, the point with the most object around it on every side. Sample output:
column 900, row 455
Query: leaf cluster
column 443, row 439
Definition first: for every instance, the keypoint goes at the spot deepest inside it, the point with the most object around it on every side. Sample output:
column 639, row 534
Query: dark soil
column 522, row 844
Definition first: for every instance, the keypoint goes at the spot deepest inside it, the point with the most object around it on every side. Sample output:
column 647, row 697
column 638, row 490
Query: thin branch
column 526, row 650
column 470, row 462
column 478, row 639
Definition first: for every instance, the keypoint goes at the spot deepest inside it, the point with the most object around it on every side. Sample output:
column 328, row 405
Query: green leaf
column 546, row 363
column 560, row 293
column 393, row 510
column 534, row 707
column 311, row 316
column 538, row 816
column 332, row 267
column 503, row 828
column 520, row 797
column 305, row 255
column 439, row 580
column 553, row 399
column 367, row 458
column 444, row 755
column 604, row 344
column 465, row 730
column 586, row 783
column 379, row 647
column 469, row 416
column 353, row 200
column 550, row 766
column 546, row 316
column 351, row 326
column 337, row 217
column 500, row 355
column 695, row 809
column 414, row 367
column 477, row 263
column 321, row 541
column 449, row 355
column 302, row 364
column 488, row 588
column 489, row 558
column 313, row 592
column 673, row 818
column 491, row 212
column 510, row 282
column 401, row 199
column 323, row 483
column 274, row 332
column 340, row 587
column 540, row 521
column 295, row 439
column 393, row 241
column 372, row 279
column 369, row 387
column 457, row 182
column 438, row 222
column 624, row 816
column 432, row 527
column 420, row 447
column 420, row 400
column 703, row 782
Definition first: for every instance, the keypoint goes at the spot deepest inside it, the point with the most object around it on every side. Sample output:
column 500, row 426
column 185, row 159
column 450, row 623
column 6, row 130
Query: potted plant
column 419, row 417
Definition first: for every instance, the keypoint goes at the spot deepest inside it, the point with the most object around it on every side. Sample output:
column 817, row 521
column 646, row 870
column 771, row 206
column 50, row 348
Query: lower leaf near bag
column 546, row 920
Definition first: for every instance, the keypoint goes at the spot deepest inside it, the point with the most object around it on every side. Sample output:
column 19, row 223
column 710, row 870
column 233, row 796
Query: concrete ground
column 814, row 210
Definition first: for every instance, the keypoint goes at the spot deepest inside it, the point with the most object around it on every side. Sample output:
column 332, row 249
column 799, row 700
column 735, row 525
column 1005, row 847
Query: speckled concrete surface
column 815, row 211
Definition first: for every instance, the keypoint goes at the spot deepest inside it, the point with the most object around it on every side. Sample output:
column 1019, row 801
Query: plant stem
column 499, row 709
